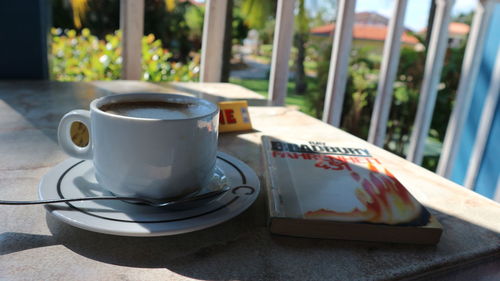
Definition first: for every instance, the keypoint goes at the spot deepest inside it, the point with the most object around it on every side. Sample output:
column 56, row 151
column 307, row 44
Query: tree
column 361, row 89
column 166, row 19
column 236, row 31
column 228, row 43
column 194, row 18
column 301, row 38
column 256, row 12
column 100, row 17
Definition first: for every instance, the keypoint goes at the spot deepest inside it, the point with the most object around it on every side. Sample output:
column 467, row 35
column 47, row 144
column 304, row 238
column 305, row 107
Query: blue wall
column 490, row 166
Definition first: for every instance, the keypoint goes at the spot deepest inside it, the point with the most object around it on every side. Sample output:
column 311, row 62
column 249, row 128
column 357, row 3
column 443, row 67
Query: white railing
column 213, row 41
column 432, row 74
column 470, row 69
column 132, row 26
column 339, row 63
column 132, row 17
column 382, row 106
column 282, row 44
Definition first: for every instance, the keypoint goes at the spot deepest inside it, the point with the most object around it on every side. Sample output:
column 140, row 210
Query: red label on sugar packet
column 234, row 116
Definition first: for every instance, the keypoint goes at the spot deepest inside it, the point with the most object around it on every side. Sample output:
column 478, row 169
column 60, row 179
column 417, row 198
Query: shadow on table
column 11, row 242
column 43, row 103
column 243, row 249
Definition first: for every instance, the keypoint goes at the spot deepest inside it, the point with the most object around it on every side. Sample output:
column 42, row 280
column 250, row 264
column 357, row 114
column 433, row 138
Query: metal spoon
column 204, row 196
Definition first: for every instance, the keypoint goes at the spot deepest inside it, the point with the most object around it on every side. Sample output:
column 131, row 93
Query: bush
column 83, row 57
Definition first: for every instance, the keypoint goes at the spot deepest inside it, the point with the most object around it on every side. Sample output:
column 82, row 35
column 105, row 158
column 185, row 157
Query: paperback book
column 340, row 191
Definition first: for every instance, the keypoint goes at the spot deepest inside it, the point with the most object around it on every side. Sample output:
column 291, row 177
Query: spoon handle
column 35, row 202
column 133, row 199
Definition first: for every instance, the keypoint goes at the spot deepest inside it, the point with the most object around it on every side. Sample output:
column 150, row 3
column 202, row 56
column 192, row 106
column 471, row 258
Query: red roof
column 323, row 30
column 458, row 28
column 455, row 28
column 366, row 32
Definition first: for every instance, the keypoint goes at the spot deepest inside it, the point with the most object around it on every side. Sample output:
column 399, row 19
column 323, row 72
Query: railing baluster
column 132, row 26
column 487, row 116
column 282, row 43
column 213, row 40
column 432, row 75
column 390, row 60
column 468, row 76
column 496, row 195
column 339, row 63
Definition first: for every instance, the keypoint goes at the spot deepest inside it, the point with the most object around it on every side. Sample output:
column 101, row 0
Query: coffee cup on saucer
column 147, row 145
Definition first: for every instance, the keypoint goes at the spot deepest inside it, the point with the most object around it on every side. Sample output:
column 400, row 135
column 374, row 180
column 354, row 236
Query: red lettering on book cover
column 384, row 198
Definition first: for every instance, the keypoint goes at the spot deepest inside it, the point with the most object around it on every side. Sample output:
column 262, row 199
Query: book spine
column 272, row 191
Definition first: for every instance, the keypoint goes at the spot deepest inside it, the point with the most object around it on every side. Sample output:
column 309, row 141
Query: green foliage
column 300, row 39
column 239, row 27
column 258, row 15
column 266, row 50
column 405, row 100
column 157, row 67
column 302, row 20
column 361, row 89
column 267, row 32
column 84, row 57
column 464, row 18
column 261, row 86
column 101, row 17
column 257, row 12
column 450, row 77
column 194, row 20
column 362, row 86
column 177, row 24
column 169, row 24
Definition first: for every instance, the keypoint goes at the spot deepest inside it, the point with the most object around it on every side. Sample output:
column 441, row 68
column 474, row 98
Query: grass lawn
column 260, row 86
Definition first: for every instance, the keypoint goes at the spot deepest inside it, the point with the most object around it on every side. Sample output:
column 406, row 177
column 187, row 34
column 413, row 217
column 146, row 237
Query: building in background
column 369, row 31
column 457, row 34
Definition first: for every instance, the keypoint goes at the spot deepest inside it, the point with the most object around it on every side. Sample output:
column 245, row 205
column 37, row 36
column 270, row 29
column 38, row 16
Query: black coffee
column 156, row 109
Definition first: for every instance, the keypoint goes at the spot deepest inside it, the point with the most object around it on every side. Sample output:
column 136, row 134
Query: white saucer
column 75, row 178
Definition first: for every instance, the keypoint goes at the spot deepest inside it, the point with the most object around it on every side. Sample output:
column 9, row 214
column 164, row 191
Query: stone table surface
column 35, row 246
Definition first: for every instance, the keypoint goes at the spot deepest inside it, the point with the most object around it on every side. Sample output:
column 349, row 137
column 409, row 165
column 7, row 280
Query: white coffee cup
column 150, row 154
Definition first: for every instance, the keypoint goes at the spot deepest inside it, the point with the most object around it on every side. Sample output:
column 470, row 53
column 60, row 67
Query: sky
column 416, row 15
column 417, row 11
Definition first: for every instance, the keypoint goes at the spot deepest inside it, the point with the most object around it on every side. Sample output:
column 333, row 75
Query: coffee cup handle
column 64, row 134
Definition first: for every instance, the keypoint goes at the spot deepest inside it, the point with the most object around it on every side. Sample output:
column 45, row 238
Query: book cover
column 337, row 190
